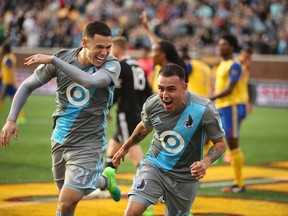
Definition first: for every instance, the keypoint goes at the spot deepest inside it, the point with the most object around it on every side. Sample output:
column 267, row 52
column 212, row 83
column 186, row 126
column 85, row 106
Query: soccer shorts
column 231, row 118
column 9, row 91
column 77, row 167
column 151, row 183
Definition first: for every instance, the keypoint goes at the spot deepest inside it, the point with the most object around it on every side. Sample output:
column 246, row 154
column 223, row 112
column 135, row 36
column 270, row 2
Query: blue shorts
column 231, row 118
column 10, row 90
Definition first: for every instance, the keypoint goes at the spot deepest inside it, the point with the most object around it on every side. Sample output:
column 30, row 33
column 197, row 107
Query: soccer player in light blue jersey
column 86, row 78
column 174, row 163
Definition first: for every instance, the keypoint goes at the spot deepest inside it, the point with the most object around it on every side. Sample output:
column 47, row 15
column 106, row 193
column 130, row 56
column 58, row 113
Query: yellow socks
column 237, row 164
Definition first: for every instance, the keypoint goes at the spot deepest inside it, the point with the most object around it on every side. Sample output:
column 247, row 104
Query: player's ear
column 84, row 42
column 185, row 86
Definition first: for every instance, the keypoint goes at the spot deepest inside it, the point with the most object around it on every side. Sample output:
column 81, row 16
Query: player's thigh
column 147, row 184
column 83, row 167
column 136, row 205
column 179, row 197
column 58, row 164
column 68, row 199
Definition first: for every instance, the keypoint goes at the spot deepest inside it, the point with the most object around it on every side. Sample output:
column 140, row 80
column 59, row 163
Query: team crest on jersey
column 111, row 66
column 140, row 185
column 189, row 122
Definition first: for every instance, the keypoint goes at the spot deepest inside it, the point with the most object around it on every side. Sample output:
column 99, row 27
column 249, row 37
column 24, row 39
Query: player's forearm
column 215, row 151
column 87, row 80
column 137, row 136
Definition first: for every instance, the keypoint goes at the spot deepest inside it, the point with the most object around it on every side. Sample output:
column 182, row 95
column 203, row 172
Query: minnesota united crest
column 189, row 122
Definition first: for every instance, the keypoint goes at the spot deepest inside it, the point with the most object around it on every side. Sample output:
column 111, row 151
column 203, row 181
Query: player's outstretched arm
column 139, row 133
column 87, row 80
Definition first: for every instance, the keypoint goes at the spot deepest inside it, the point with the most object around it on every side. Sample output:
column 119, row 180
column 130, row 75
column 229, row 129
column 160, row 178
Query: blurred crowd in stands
column 194, row 24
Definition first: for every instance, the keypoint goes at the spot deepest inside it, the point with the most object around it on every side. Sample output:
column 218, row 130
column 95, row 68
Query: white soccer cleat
column 98, row 193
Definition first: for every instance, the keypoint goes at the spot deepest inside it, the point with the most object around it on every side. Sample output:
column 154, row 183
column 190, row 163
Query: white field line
column 227, row 183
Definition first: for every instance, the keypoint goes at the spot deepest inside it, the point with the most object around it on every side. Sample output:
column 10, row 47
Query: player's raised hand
column 9, row 128
column 38, row 59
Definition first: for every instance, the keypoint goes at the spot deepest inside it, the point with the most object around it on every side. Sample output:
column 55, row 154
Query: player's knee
column 67, row 207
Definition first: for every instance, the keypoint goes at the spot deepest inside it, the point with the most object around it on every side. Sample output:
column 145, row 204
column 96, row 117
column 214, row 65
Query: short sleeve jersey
column 132, row 88
column 226, row 71
column 81, row 114
column 179, row 136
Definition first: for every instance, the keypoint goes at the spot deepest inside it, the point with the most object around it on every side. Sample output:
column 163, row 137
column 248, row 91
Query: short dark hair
column 121, row 42
column 232, row 40
column 97, row 27
column 172, row 69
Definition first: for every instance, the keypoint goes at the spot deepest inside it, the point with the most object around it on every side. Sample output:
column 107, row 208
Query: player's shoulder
column 152, row 101
column 195, row 98
column 152, row 105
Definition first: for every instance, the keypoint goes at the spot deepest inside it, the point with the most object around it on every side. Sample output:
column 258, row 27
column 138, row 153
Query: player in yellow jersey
column 231, row 106
column 244, row 59
column 8, row 71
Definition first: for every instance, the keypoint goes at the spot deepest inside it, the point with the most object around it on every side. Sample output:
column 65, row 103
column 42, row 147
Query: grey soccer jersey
column 80, row 115
column 179, row 136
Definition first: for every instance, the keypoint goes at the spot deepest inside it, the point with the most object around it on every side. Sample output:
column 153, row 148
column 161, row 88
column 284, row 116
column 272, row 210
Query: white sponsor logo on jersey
column 172, row 142
column 77, row 94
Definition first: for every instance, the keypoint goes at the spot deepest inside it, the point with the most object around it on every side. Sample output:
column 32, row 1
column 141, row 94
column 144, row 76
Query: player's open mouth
column 167, row 103
column 100, row 60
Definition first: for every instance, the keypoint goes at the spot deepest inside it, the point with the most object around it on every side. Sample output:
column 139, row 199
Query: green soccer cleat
column 112, row 187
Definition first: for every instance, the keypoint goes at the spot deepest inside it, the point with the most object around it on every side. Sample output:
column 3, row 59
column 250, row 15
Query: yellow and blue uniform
column 232, row 109
column 8, row 68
